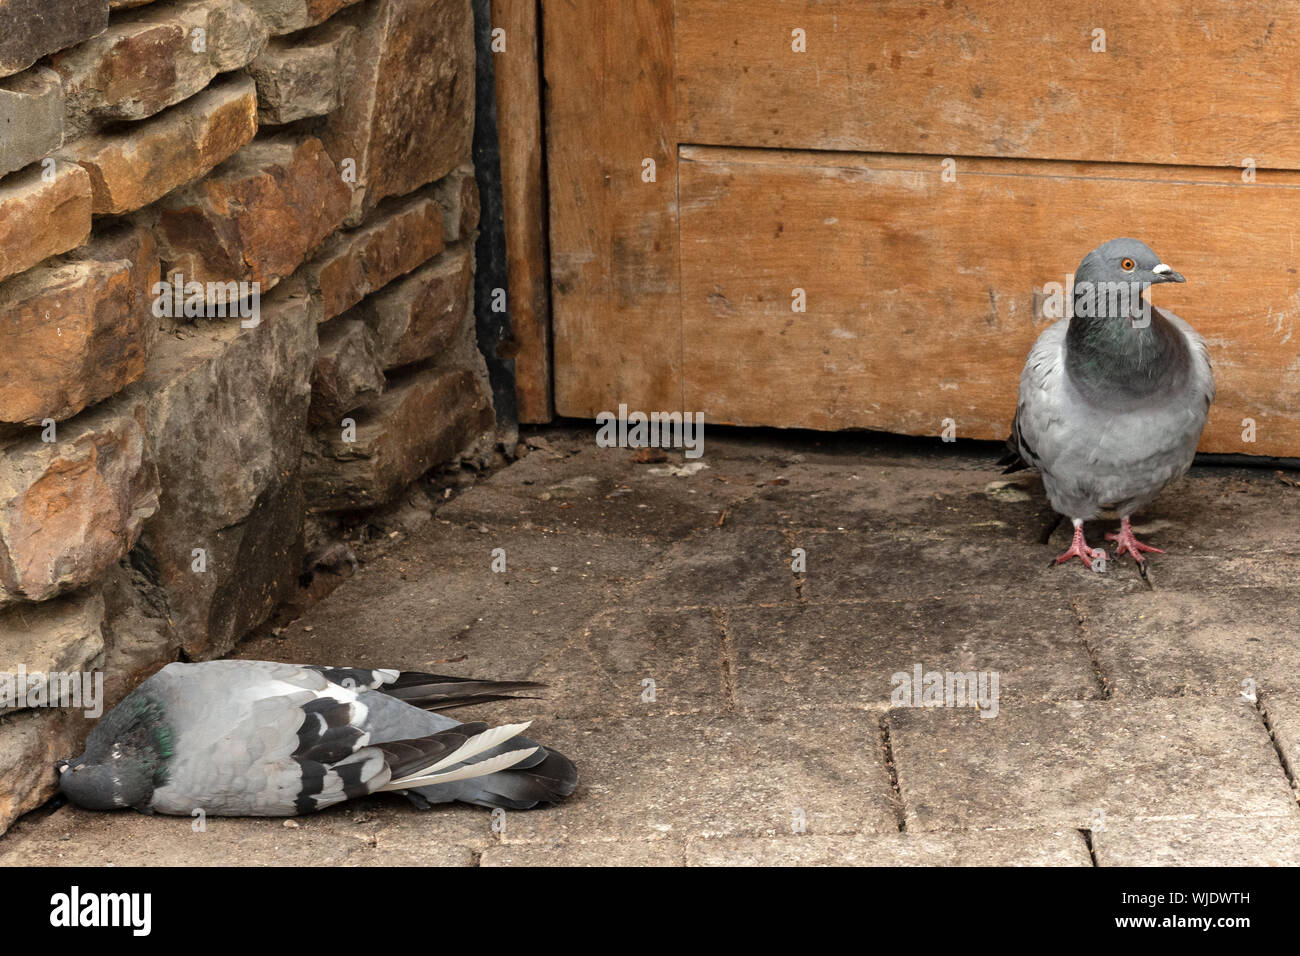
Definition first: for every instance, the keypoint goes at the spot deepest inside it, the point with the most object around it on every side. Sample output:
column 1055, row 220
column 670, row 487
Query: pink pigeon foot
column 1079, row 548
column 1127, row 542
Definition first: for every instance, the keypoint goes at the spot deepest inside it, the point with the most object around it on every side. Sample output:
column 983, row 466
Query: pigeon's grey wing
column 1056, row 430
column 239, row 731
column 429, row 691
column 1041, row 413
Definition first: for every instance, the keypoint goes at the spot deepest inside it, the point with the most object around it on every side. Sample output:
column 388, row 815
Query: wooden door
column 837, row 214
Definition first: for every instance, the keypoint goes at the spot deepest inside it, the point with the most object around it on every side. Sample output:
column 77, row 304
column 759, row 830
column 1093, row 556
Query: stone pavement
column 724, row 709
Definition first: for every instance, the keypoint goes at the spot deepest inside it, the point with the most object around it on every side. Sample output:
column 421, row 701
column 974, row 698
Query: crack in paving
column 726, row 654
column 1262, row 709
column 1085, row 631
column 887, row 745
column 1092, row 850
column 800, row 577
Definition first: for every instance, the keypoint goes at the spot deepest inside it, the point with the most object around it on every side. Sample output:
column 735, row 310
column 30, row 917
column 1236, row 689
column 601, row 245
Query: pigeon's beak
column 1165, row 274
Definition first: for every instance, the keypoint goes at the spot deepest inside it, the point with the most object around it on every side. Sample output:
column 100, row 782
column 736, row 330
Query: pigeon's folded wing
column 1040, row 420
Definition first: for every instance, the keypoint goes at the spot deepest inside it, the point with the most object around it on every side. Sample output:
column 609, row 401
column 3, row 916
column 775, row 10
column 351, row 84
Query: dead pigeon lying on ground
column 1113, row 399
column 254, row 738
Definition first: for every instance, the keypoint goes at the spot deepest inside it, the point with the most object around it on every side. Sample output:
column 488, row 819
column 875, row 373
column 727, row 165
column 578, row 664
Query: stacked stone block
column 157, row 465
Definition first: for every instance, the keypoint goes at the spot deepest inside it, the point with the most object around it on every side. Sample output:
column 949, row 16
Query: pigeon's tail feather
column 1017, row 450
column 546, row 776
column 444, row 767
column 1013, row 462
column 439, row 692
column 468, row 771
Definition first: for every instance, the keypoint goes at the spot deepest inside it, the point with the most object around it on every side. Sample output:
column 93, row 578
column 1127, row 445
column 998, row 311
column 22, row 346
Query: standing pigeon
column 254, row 738
column 1113, row 399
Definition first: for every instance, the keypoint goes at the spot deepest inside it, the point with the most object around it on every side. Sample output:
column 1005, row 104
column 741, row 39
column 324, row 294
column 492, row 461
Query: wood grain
column 920, row 293
column 519, row 124
column 614, row 266
column 1205, row 83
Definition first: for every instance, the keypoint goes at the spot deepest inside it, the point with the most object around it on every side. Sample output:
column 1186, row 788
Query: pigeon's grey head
column 1111, row 280
column 126, row 757
column 119, row 781
column 1124, row 261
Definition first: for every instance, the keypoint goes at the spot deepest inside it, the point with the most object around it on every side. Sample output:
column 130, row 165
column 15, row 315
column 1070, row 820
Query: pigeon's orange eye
column 1127, row 265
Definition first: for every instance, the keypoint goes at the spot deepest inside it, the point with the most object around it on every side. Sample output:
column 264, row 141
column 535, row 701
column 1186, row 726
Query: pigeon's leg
column 1079, row 548
column 1129, row 543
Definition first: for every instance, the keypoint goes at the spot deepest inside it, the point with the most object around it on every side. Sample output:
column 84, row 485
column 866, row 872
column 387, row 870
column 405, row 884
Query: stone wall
column 157, row 470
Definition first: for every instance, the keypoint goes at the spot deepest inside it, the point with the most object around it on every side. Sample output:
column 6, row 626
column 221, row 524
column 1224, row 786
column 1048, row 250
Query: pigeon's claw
column 1079, row 549
column 1129, row 543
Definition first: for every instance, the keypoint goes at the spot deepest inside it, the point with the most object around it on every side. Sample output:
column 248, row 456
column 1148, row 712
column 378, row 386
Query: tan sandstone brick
column 30, row 745
column 458, row 194
column 227, row 417
column 257, row 217
column 72, row 507
column 418, row 316
column 73, row 335
column 302, row 77
column 398, row 238
column 422, row 420
column 39, row 217
column 408, row 114
column 147, row 60
column 288, row 16
column 130, row 169
column 64, row 635
column 348, row 370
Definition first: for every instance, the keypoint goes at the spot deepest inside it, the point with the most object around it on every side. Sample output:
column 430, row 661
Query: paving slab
column 1168, row 643
column 720, row 567
column 817, row 656
column 870, row 496
column 601, row 490
column 1257, row 841
column 606, row 563
column 639, row 663
column 618, row 853
column 676, row 776
column 1068, row 763
column 435, row 604
column 384, row 831
column 957, row 848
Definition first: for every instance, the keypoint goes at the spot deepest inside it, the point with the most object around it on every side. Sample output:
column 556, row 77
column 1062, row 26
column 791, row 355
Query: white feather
column 481, row 769
column 478, row 744
column 472, row 747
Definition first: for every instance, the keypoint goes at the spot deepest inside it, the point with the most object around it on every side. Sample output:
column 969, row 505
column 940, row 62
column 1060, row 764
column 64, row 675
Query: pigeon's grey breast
column 1097, row 456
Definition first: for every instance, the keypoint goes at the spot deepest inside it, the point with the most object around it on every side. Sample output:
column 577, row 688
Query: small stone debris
column 680, row 471
column 649, row 456
column 1006, row 491
column 541, row 444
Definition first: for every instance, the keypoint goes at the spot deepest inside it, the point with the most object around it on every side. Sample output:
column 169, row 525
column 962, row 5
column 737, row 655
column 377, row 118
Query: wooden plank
column 921, row 293
column 519, row 124
column 1205, row 83
column 614, row 267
